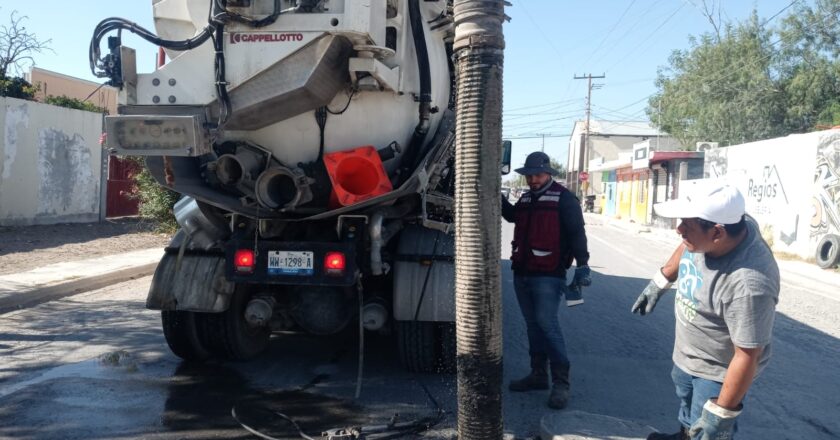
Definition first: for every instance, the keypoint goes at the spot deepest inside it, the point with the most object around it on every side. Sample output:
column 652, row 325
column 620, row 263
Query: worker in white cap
column 726, row 296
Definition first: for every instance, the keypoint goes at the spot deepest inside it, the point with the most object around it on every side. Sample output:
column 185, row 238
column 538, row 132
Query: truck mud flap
column 424, row 276
column 197, row 283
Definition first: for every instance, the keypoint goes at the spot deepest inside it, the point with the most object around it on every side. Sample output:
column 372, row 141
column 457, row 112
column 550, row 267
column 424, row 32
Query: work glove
column 582, row 277
column 716, row 422
column 654, row 290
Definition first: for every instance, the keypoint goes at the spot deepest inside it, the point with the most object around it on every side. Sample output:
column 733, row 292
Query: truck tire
column 417, row 345
column 183, row 335
column 449, row 348
column 828, row 251
column 228, row 333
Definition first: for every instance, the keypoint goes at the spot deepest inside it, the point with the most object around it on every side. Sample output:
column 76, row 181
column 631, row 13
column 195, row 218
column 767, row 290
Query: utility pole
column 658, row 122
column 583, row 160
column 542, row 135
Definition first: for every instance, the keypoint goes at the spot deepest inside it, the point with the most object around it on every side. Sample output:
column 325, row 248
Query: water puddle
column 203, row 397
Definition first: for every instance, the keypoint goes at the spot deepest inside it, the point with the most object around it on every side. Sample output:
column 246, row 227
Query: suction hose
column 479, row 56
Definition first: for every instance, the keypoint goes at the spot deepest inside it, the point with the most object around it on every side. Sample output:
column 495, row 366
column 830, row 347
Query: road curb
column 654, row 232
column 31, row 297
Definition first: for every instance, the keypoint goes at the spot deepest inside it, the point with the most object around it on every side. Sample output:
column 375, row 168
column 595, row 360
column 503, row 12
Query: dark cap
column 536, row 163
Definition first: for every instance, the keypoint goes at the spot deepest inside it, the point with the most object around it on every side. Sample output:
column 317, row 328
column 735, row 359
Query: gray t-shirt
column 725, row 302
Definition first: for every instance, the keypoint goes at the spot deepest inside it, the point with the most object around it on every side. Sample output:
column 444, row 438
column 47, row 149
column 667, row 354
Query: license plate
column 290, row 263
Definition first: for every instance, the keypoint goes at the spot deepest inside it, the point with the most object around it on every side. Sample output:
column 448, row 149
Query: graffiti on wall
column 716, row 163
column 826, row 201
column 764, row 188
column 769, row 198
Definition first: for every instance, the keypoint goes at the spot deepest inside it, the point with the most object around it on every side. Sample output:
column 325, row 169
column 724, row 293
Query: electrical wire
column 528, row 107
column 321, row 120
column 265, row 436
column 94, row 91
column 346, row 106
column 521, row 125
column 635, row 24
column 636, row 47
column 609, row 32
column 361, row 338
column 516, row 137
column 426, row 279
column 780, row 11
column 226, row 15
column 225, row 107
column 218, row 15
column 117, row 24
column 729, row 71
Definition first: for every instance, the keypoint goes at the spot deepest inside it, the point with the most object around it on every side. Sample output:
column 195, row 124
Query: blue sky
column 548, row 43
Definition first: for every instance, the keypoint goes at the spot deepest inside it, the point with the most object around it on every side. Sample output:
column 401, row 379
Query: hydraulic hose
column 479, row 49
column 412, row 153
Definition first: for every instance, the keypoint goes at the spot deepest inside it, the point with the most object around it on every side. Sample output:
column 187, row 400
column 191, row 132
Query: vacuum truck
column 312, row 142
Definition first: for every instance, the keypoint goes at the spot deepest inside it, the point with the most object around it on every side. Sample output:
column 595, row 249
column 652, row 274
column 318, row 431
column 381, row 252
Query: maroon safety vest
column 538, row 235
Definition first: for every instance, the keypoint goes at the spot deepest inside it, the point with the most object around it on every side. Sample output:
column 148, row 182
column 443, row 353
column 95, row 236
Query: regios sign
column 264, row 37
column 768, row 186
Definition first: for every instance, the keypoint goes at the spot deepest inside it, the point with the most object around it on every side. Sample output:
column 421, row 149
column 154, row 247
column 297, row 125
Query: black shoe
column 559, row 397
column 682, row 435
column 536, row 380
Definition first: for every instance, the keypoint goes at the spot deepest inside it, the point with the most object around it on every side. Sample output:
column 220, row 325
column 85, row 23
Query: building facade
column 604, row 142
column 57, row 84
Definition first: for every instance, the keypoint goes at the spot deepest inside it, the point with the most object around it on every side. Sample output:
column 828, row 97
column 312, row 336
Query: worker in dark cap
column 549, row 233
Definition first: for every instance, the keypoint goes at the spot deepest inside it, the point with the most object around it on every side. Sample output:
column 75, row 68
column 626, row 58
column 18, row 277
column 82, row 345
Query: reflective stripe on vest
column 537, row 237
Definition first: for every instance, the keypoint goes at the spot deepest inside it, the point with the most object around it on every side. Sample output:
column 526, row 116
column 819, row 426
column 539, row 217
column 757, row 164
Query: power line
column 631, row 81
column 661, row 25
column 729, row 71
column 780, row 11
column 535, row 136
column 558, row 109
column 609, row 32
column 539, row 29
column 540, row 121
column 616, row 113
column 636, row 23
column 539, row 105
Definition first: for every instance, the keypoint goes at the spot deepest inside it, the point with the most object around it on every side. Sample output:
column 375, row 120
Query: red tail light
column 334, row 263
column 243, row 261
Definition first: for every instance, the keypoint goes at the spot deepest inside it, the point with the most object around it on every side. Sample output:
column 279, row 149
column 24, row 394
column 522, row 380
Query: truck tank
column 312, row 141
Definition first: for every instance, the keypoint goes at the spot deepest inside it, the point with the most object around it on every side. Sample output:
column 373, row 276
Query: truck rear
column 313, row 144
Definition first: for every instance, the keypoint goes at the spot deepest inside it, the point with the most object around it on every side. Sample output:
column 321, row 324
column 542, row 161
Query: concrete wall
column 50, row 164
column 791, row 185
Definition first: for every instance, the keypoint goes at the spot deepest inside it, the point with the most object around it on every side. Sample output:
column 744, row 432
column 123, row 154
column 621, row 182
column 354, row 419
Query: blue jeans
column 693, row 392
column 539, row 298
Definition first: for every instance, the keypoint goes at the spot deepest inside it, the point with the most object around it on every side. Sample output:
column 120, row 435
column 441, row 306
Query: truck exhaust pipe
column 479, row 58
column 374, row 315
column 259, row 310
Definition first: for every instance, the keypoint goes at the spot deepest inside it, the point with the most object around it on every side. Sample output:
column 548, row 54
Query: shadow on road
column 620, row 368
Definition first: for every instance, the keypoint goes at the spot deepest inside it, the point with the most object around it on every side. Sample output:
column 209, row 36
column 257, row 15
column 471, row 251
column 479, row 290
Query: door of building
column 121, row 190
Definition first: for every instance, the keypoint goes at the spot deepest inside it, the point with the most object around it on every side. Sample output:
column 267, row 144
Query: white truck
column 313, row 143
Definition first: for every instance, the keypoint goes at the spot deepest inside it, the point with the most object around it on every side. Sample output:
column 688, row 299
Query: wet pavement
column 102, row 370
column 95, row 365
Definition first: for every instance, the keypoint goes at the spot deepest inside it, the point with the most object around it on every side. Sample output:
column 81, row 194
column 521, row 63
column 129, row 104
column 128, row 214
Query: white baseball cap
column 716, row 202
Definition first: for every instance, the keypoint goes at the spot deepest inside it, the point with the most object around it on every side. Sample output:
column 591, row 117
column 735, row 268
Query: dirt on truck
column 313, row 145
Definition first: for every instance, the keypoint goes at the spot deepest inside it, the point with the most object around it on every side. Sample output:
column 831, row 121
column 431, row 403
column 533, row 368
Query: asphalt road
column 95, row 365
